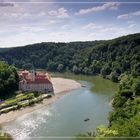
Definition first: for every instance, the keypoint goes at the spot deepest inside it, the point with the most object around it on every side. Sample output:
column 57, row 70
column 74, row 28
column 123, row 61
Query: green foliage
column 118, row 101
column 8, row 80
column 114, row 76
column 110, row 58
column 25, row 104
column 127, row 93
column 125, row 118
column 60, row 68
column 106, row 132
column 75, row 69
column 5, row 136
column 27, row 66
column 105, row 70
column 136, row 86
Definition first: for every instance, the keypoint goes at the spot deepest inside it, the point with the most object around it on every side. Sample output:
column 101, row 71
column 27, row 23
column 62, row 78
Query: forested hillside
column 110, row 58
column 125, row 119
column 2, row 49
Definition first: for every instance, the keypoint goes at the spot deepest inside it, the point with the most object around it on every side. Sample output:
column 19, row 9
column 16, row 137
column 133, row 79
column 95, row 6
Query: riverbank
column 111, row 102
column 61, row 87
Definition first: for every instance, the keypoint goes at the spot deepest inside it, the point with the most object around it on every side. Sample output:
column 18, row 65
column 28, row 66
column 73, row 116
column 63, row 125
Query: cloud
column 32, row 29
column 137, row 13
column 124, row 16
column 131, row 22
column 22, row 29
column 42, row 14
column 109, row 32
column 129, row 15
column 131, row 25
column 30, row 35
column 24, row 13
column 108, row 29
column 60, row 13
column 106, row 6
column 91, row 26
column 16, row 15
column 66, row 26
column 2, row 4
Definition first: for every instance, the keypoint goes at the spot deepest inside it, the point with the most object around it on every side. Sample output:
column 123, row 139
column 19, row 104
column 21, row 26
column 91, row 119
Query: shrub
column 126, row 93
column 25, row 104
column 119, row 101
column 137, row 100
column 30, row 96
column 31, row 102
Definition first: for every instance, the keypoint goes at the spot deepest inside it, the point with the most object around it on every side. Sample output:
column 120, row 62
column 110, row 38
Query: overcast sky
column 32, row 21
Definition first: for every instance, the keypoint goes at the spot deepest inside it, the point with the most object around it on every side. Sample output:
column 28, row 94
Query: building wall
column 36, row 87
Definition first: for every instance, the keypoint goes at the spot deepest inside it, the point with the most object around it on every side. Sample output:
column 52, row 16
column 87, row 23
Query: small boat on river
column 83, row 85
column 87, row 119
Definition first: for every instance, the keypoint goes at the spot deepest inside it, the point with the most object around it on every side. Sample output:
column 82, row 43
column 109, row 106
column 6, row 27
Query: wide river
column 65, row 117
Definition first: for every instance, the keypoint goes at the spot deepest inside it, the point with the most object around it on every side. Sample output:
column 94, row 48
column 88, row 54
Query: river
column 65, row 118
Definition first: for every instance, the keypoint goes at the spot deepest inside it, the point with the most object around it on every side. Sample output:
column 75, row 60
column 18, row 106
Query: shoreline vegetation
column 61, row 87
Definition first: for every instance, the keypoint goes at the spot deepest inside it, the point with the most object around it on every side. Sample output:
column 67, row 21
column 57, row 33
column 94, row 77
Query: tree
column 8, row 80
column 106, row 132
column 136, row 87
column 27, row 66
column 105, row 70
column 51, row 66
column 114, row 76
column 60, row 67
column 75, row 69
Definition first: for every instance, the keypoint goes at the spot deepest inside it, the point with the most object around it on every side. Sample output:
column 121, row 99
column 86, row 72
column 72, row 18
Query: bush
column 31, row 102
column 114, row 76
column 19, row 105
column 126, row 93
column 30, row 96
column 25, row 104
column 119, row 101
column 137, row 100
column 40, row 99
column 6, row 110
column 136, row 86
column 11, row 101
column 5, row 136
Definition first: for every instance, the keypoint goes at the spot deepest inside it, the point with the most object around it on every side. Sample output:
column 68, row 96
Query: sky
column 25, row 22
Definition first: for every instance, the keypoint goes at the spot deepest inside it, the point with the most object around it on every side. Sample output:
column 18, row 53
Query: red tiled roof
column 38, row 81
column 40, row 78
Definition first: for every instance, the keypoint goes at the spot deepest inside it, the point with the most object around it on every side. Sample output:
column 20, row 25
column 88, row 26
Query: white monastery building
column 35, row 81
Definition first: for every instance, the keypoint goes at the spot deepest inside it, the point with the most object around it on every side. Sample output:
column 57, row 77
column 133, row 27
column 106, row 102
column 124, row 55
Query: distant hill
column 2, row 49
column 109, row 58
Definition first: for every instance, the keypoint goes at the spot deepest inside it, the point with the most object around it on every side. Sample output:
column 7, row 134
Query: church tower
column 33, row 74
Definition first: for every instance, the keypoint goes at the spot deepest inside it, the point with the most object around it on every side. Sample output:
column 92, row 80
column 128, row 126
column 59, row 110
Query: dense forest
column 125, row 119
column 109, row 58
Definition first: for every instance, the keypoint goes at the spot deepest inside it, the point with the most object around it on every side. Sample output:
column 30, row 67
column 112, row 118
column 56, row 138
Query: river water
column 65, row 118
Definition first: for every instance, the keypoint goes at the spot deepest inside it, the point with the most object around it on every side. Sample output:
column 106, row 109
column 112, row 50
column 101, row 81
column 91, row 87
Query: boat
column 83, row 85
column 87, row 119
